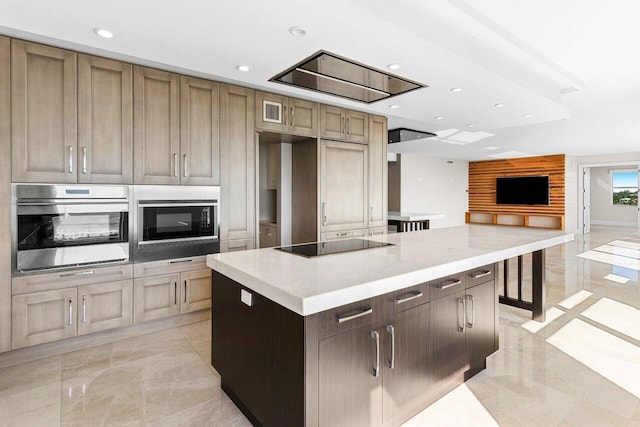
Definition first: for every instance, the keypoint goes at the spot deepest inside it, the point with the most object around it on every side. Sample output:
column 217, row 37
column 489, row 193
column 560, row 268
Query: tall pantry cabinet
column 5, row 194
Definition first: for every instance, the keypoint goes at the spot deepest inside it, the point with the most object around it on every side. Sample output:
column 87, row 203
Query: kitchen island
column 361, row 338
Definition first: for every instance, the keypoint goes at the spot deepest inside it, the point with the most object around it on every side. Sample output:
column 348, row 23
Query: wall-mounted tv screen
column 522, row 190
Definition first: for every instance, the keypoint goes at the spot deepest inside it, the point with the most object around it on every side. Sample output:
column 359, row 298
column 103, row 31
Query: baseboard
column 614, row 223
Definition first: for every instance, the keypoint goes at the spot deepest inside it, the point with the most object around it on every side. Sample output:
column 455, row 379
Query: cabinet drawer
column 378, row 231
column 70, row 278
column 347, row 234
column 168, row 266
column 480, row 275
column 349, row 316
column 447, row 285
column 410, row 297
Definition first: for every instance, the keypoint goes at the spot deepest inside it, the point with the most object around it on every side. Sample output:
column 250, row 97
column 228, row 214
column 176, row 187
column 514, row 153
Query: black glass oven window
column 76, row 229
column 177, row 222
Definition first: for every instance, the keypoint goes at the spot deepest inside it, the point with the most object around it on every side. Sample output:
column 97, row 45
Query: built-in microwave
column 175, row 221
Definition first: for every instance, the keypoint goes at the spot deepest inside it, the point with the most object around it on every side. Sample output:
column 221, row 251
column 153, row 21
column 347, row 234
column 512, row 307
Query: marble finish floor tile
column 615, row 315
column 619, row 250
column 607, row 258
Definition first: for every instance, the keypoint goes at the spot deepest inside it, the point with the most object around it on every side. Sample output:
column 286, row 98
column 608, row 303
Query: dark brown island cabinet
column 375, row 362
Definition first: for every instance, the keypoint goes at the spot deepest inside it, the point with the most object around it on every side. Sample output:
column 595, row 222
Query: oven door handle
column 61, row 208
column 193, row 204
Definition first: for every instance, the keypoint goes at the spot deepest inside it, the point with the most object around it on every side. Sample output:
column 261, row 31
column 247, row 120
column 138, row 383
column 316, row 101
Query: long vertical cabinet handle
column 461, row 302
column 473, row 311
column 70, row 311
column 175, row 164
column 370, row 213
column 348, row 127
column 185, row 291
column 324, row 213
column 84, row 160
column 71, row 159
column 175, row 293
column 375, row 371
column 292, row 116
column 184, row 166
column 392, row 362
column 342, row 125
column 84, row 309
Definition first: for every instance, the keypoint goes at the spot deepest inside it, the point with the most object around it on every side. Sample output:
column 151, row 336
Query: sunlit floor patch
column 616, row 278
column 619, row 250
column 612, row 259
column 625, row 244
column 615, row 315
column 459, row 408
column 575, row 299
column 550, row 315
column 614, row 358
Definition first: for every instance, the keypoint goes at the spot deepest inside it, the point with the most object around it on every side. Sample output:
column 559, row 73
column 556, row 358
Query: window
column 624, row 186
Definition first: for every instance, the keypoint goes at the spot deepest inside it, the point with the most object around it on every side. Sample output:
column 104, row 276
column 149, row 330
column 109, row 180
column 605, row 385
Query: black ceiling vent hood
column 404, row 135
column 329, row 73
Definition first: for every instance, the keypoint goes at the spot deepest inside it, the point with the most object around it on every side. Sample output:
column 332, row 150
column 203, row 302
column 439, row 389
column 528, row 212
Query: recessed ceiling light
column 470, row 125
column 103, row 32
column 491, row 148
column 243, row 68
column 438, row 117
column 394, row 106
column 297, row 31
column 456, row 89
column 393, row 66
column 527, row 115
column 499, row 105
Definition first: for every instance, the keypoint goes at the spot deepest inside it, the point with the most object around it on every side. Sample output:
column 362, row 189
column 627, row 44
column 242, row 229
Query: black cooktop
column 335, row 247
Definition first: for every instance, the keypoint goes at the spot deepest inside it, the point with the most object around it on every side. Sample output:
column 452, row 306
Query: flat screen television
column 522, row 190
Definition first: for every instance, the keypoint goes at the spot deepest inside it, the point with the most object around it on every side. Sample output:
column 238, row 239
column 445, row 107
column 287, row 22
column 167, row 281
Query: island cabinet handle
column 461, row 302
column 484, row 273
column 473, row 311
column 364, row 312
column 376, row 369
column 411, row 296
column 449, row 284
column 391, row 363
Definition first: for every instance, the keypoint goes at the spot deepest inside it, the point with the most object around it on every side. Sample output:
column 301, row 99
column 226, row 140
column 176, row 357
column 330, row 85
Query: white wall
column 432, row 185
column 602, row 210
column 570, row 194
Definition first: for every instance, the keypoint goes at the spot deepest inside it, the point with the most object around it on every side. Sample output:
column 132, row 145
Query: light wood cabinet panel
column 345, row 125
column 346, row 234
column 168, row 266
column 65, row 279
column 237, row 163
column 378, row 231
column 199, row 132
column 377, row 171
column 343, row 186
column 5, row 193
column 105, row 121
column 155, row 297
column 43, row 316
column 303, row 117
column 196, row 290
column 268, row 235
column 237, row 245
column 356, row 127
column 156, row 122
column 43, row 113
column 331, row 122
column 104, row 306
column 279, row 113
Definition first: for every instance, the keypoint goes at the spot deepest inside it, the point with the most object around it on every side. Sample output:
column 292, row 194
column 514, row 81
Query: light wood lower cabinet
column 237, row 245
column 196, row 290
column 339, row 235
column 104, row 306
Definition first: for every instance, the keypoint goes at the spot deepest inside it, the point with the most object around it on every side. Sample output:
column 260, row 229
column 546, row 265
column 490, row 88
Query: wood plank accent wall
column 482, row 183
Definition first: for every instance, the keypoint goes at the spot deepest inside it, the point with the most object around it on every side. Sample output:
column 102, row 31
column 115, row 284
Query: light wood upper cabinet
column 156, row 122
column 237, row 163
column 345, row 125
column 43, row 118
column 288, row 115
column 199, row 131
column 105, row 121
column 377, row 171
column 343, row 186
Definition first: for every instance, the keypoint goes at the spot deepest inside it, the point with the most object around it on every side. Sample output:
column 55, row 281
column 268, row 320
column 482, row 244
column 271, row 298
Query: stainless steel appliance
column 69, row 225
column 175, row 221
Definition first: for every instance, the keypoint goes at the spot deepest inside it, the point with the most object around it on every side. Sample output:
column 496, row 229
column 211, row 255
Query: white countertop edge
column 321, row 302
column 412, row 216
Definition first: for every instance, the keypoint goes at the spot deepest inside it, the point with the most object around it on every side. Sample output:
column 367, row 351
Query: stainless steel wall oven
column 59, row 226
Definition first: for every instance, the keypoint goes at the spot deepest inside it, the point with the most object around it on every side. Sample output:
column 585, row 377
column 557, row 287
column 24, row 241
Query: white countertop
column 311, row 285
column 413, row 216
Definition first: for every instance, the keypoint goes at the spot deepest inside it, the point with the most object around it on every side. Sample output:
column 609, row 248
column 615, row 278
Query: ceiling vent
column 404, row 135
column 329, row 73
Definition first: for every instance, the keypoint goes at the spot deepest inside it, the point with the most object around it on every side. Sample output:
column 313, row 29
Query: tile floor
column 580, row 368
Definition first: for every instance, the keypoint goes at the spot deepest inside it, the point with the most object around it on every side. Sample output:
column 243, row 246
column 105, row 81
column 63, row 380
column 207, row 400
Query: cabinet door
column 43, row 113
column 237, row 166
column 480, row 318
column 447, row 339
column 268, row 236
column 303, row 117
column 357, row 127
column 377, row 171
column 155, row 297
column 5, row 193
column 237, row 245
column 43, row 316
column 349, row 393
column 196, row 290
column 343, row 186
column 104, row 306
column 199, row 132
column 273, row 166
column 332, row 122
column 406, row 360
column 156, row 122
column 272, row 112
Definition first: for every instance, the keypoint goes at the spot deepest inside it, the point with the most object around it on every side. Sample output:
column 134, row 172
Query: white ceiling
column 571, row 64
